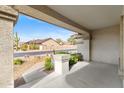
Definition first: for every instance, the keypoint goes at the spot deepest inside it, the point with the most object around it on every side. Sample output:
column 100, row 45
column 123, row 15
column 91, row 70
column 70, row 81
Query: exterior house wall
column 105, row 45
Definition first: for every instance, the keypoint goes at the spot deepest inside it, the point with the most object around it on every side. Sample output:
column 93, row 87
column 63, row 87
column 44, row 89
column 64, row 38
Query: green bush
column 79, row 56
column 73, row 59
column 48, row 63
column 24, row 47
column 18, row 62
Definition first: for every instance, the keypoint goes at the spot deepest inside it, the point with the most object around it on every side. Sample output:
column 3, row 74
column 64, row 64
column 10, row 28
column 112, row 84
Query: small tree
column 16, row 41
column 71, row 40
column 59, row 41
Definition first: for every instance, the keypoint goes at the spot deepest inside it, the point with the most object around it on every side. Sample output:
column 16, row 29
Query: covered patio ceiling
column 91, row 17
column 78, row 18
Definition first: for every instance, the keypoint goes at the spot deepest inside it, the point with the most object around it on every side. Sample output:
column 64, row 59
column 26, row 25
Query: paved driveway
column 83, row 75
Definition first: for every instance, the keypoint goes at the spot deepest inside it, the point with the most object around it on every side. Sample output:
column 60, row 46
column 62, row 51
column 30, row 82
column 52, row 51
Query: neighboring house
column 50, row 44
column 45, row 44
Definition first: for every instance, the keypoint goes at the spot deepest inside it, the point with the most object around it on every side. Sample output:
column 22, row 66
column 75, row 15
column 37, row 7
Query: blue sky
column 29, row 28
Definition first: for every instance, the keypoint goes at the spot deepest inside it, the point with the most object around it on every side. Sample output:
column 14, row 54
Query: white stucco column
column 61, row 63
column 83, row 46
column 7, row 18
column 121, row 64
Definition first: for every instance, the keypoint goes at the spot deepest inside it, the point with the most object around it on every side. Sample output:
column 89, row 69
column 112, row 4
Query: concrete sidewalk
column 35, row 72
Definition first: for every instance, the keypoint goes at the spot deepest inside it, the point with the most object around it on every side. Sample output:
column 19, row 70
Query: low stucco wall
column 105, row 45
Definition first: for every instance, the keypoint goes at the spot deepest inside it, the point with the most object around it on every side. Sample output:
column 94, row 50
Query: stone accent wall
column 7, row 19
column 84, row 49
column 6, row 53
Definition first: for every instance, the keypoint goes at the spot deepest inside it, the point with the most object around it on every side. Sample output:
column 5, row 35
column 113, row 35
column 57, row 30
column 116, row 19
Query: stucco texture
column 105, row 45
column 6, row 53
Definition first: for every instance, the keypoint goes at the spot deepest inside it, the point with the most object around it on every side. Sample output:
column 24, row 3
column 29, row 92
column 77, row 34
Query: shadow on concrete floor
column 18, row 82
column 95, row 75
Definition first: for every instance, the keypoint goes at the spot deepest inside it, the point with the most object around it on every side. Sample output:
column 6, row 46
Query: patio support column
column 83, row 46
column 8, row 17
column 121, row 63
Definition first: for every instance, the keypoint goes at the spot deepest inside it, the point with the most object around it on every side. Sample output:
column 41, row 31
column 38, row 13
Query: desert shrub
column 24, row 47
column 48, row 63
column 18, row 62
column 73, row 59
column 33, row 47
column 78, row 56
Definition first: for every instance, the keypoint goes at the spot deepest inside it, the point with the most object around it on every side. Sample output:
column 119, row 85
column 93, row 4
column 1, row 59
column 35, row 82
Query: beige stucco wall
column 105, row 45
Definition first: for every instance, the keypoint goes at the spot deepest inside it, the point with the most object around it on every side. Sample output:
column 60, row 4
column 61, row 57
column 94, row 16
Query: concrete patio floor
column 81, row 75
